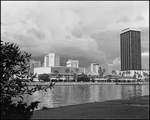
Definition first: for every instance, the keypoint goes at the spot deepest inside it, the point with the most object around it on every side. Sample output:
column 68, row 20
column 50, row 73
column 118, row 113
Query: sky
column 88, row 31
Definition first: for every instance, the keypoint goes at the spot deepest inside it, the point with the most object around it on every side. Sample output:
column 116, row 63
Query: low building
column 140, row 74
column 62, row 71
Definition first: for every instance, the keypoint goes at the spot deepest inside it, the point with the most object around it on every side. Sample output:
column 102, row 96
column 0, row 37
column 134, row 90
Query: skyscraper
column 51, row 60
column 130, row 46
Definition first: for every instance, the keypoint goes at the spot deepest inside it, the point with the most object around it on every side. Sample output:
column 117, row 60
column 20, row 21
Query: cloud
column 87, row 31
column 140, row 17
column 62, row 38
column 116, row 61
column 125, row 20
column 39, row 34
column 145, row 60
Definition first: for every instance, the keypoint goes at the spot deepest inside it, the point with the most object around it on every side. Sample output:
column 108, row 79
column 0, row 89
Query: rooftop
column 129, row 29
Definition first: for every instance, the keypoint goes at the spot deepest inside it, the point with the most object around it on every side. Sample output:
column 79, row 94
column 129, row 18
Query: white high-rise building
column 51, row 60
column 94, row 67
column 73, row 63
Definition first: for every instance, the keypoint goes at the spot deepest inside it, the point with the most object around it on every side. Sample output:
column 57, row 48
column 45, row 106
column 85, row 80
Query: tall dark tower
column 130, row 46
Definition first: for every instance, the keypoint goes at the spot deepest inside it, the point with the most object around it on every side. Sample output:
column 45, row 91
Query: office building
column 73, row 63
column 94, row 67
column 51, row 60
column 130, row 46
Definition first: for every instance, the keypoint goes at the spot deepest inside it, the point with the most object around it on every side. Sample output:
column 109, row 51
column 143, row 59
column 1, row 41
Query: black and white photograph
column 74, row 60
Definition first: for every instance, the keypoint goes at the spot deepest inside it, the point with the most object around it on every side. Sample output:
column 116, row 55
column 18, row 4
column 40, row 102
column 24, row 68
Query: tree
column 129, row 73
column 72, row 72
column 120, row 74
column 100, row 72
column 123, row 73
column 89, row 77
column 75, row 77
column 67, row 71
column 104, row 70
column 83, row 78
column 15, row 63
column 44, row 77
column 126, row 72
column 113, row 72
column 57, row 74
column 77, row 70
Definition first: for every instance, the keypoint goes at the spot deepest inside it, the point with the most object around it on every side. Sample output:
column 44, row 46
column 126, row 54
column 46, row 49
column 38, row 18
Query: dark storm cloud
column 24, row 41
column 73, row 29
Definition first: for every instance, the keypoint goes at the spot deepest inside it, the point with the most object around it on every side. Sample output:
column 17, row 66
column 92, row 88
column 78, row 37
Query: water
column 78, row 94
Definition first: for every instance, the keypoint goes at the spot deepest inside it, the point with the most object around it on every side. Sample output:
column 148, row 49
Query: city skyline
column 86, row 31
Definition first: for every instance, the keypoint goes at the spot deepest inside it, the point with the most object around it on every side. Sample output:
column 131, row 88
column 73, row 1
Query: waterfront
column 79, row 94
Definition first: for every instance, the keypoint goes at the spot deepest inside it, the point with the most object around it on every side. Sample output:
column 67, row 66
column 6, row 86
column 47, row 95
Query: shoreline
column 134, row 108
column 87, row 83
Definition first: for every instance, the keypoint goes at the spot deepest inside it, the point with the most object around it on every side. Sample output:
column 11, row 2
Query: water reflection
column 132, row 91
column 69, row 95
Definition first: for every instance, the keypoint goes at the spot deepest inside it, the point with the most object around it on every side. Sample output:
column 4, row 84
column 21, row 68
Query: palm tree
column 72, row 72
column 67, row 71
column 77, row 70
column 74, row 77
column 124, row 73
column 100, row 71
column 120, row 74
column 90, row 77
column 129, row 73
column 104, row 70
column 113, row 72
column 57, row 74
column 134, row 75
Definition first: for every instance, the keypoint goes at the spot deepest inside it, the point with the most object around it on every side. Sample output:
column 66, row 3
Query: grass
column 113, row 109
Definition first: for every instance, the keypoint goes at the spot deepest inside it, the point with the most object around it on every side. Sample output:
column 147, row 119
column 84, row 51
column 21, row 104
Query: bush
column 15, row 63
column 83, row 78
column 44, row 77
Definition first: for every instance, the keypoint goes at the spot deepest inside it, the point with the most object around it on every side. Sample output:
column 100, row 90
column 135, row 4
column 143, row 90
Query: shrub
column 44, row 77
column 15, row 63
column 83, row 78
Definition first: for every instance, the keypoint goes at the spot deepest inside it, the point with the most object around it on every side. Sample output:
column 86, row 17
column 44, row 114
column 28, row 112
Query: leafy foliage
column 44, row 77
column 15, row 63
column 83, row 78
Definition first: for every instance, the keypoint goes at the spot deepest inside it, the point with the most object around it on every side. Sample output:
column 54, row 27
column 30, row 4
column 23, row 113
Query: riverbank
column 135, row 108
